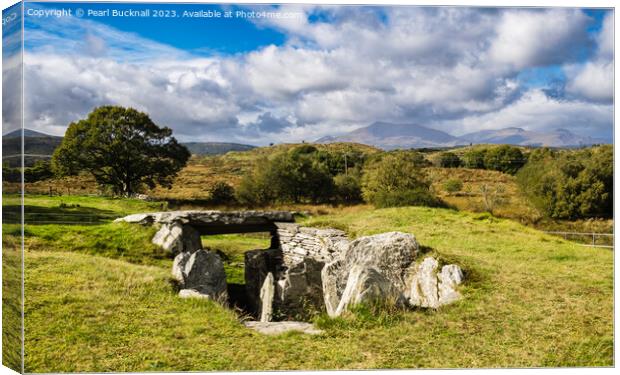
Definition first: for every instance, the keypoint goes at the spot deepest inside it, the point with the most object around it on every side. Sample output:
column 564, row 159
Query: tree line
column 127, row 153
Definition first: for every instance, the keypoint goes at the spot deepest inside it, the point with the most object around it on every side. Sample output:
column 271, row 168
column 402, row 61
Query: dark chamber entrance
column 232, row 248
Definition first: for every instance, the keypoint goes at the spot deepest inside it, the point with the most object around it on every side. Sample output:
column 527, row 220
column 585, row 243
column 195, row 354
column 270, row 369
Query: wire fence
column 590, row 239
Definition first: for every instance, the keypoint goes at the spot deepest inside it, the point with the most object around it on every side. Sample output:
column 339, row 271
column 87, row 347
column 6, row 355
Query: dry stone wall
column 298, row 243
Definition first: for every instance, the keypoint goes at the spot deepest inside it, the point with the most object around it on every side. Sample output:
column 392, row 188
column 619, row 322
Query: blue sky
column 323, row 70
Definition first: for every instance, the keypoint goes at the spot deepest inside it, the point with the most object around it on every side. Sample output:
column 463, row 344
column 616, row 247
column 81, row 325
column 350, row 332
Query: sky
column 306, row 71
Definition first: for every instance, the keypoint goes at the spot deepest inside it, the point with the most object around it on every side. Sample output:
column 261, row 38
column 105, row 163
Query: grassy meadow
column 99, row 298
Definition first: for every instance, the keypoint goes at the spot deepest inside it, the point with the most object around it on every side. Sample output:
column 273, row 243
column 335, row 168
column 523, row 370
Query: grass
column 11, row 301
column 531, row 300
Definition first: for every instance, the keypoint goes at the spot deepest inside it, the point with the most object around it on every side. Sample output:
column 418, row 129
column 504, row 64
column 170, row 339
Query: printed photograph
column 252, row 187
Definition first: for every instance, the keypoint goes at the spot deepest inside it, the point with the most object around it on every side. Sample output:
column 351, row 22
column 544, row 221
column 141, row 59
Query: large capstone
column 215, row 219
column 202, row 274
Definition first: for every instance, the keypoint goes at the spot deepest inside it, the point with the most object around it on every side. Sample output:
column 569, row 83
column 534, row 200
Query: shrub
column 289, row 177
column 222, row 193
column 453, row 185
column 396, row 180
column 492, row 196
column 449, row 160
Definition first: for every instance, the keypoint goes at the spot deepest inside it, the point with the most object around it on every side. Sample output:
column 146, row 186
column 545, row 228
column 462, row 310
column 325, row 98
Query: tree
column 122, row 148
column 348, row 187
column 41, row 170
column 449, row 160
column 570, row 184
column 474, row 159
column 293, row 176
column 505, row 159
column 397, row 180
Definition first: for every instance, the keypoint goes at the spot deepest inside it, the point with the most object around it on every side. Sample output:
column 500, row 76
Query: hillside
column 194, row 180
column 214, row 148
column 531, row 300
column 37, row 146
column 41, row 145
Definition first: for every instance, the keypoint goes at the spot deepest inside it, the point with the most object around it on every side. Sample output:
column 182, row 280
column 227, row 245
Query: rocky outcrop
column 429, row 288
column 368, row 285
column 201, row 274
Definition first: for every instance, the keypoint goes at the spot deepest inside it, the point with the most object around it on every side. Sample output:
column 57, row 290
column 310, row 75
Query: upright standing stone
column 204, row 273
column 266, row 297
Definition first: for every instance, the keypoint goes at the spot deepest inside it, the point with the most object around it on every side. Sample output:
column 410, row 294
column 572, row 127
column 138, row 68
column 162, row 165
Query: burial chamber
column 305, row 269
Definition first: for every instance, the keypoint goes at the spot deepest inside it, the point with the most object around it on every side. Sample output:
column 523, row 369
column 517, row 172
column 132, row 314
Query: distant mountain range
column 395, row 136
column 39, row 145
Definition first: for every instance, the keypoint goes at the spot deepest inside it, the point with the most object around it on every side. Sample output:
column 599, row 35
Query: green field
column 99, row 298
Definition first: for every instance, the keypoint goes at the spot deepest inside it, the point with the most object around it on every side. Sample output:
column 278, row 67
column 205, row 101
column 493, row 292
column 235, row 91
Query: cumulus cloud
column 455, row 69
column 528, row 38
column 594, row 80
column 538, row 112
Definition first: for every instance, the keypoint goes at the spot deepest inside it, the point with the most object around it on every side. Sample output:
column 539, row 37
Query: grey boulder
column 203, row 273
column 367, row 285
column 431, row 288
column 369, row 267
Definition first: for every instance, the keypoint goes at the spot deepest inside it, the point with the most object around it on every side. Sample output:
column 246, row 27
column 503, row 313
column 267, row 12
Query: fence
column 604, row 240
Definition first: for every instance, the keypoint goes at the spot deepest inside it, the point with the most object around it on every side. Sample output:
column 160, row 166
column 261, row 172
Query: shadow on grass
column 62, row 214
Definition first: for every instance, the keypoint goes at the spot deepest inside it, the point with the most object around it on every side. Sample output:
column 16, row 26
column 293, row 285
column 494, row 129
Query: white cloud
column 536, row 111
column 529, row 38
column 594, row 80
column 451, row 68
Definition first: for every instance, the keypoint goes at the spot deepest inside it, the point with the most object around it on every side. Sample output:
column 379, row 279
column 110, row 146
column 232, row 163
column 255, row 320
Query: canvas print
column 228, row 187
